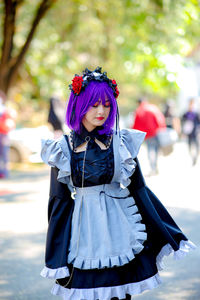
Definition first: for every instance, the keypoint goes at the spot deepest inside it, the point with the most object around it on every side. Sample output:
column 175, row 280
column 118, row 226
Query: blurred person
column 56, row 116
column 149, row 119
column 171, row 119
column 190, row 128
column 7, row 123
column 107, row 233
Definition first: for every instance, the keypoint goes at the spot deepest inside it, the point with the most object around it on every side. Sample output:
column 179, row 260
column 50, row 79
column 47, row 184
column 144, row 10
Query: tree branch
column 42, row 9
column 8, row 30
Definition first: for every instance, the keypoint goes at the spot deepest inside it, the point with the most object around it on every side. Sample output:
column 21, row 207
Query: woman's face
column 96, row 115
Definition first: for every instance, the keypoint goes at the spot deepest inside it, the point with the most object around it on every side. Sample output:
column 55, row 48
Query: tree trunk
column 9, row 65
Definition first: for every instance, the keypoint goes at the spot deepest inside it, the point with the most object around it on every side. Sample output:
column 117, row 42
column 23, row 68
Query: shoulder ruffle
column 130, row 142
column 56, row 153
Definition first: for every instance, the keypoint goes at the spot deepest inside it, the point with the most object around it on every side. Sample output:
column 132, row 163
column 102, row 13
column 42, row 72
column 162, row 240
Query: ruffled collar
column 79, row 139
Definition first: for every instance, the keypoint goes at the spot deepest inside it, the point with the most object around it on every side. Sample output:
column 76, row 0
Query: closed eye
column 96, row 104
column 107, row 103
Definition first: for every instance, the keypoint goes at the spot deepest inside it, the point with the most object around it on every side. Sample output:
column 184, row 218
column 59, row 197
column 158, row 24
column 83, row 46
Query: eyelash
column 106, row 105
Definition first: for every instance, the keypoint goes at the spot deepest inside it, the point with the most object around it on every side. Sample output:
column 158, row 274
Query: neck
column 87, row 126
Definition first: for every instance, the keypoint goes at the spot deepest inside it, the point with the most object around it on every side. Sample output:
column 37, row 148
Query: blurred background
column 152, row 49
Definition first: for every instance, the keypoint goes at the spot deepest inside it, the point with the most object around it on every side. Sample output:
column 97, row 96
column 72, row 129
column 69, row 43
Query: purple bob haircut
column 79, row 105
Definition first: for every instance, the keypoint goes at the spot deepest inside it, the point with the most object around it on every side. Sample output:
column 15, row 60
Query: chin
column 100, row 123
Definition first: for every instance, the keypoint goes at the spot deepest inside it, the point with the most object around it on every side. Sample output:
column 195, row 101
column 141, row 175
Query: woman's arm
column 60, row 211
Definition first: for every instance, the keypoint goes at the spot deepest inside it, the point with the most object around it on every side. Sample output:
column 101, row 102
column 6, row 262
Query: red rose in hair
column 116, row 89
column 77, row 84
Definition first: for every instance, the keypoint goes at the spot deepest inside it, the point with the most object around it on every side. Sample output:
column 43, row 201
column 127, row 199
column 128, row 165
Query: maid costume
column 108, row 232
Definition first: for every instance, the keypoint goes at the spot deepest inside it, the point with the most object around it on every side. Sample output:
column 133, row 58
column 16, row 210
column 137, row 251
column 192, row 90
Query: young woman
column 108, row 233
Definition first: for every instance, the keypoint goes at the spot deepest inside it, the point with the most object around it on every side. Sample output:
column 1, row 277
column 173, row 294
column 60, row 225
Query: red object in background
column 149, row 118
column 5, row 192
column 6, row 122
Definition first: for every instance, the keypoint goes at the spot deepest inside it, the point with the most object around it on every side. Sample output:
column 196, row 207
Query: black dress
column 120, row 280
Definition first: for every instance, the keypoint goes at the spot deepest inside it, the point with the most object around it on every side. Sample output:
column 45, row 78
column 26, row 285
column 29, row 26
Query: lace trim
column 184, row 248
column 55, row 273
column 106, row 293
column 111, row 261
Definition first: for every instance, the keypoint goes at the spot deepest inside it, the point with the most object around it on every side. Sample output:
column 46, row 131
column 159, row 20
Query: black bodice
column 99, row 164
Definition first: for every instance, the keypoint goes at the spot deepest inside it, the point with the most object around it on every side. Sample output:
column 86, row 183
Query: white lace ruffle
column 130, row 142
column 106, row 293
column 54, row 155
column 111, row 261
column 55, row 273
column 184, row 248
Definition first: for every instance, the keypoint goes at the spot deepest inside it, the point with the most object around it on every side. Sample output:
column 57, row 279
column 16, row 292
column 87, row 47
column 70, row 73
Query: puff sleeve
column 130, row 143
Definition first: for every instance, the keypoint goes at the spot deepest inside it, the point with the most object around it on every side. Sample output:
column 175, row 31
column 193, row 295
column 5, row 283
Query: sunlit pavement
column 23, row 222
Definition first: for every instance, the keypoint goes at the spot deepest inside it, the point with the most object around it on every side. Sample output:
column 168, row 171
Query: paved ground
column 23, row 202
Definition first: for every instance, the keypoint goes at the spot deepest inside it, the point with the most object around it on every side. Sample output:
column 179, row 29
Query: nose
column 100, row 109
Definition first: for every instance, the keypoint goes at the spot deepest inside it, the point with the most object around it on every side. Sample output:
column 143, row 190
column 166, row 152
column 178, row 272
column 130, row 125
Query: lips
column 100, row 118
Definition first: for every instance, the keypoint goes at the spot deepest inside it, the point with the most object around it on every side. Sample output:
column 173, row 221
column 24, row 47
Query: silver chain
column 87, row 139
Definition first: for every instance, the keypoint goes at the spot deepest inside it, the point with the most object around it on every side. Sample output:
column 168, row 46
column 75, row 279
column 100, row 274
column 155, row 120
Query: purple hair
column 79, row 105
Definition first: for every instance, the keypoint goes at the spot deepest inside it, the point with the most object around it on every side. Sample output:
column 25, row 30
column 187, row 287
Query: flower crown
column 80, row 82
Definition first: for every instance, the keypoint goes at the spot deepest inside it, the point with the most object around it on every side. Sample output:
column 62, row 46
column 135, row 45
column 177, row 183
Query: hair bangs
column 100, row 92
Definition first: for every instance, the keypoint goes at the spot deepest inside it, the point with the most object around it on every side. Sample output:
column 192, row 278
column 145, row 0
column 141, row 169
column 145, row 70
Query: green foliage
column 127, row 38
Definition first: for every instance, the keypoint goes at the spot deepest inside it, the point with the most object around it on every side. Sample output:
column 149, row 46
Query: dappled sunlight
column 177, row 183
column 21, row 259
column 24, row 209
column 167, row 274
column 178, row 295
column 32, row 251
column 22, row 248
column 187, row 219
column 24, row 218
column 6, row 294
column 175, row 286
column 177, row 292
